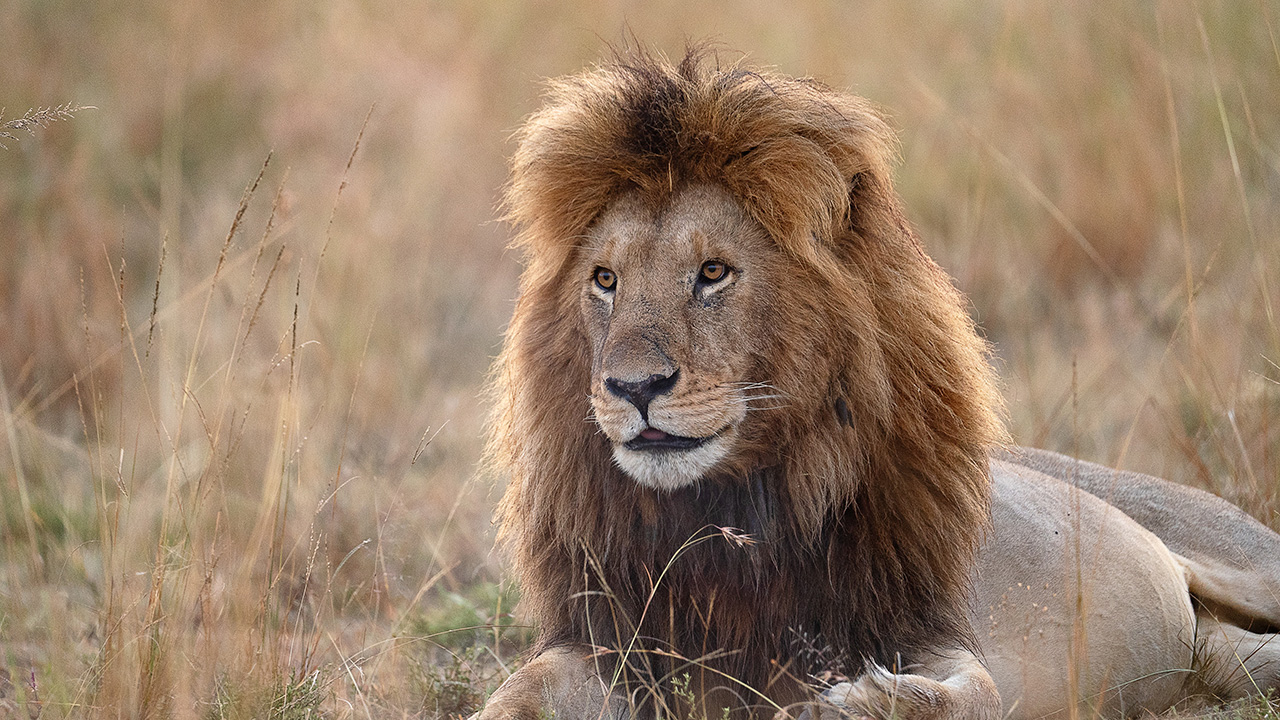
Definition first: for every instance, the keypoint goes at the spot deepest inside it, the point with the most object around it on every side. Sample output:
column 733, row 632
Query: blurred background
column 248, row 301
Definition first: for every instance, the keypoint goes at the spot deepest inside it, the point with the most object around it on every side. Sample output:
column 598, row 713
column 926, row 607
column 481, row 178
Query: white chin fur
column 670, row 469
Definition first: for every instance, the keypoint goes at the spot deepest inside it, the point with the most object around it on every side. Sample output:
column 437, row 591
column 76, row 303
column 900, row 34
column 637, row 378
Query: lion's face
column 673, row 299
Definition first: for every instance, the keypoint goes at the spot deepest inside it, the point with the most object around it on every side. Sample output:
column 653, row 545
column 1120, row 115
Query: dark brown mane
column 865, row 498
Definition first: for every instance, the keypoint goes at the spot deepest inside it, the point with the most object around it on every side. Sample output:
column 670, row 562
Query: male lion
column 753, row 443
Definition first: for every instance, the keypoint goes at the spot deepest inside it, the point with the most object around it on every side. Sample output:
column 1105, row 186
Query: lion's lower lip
column 665, row 442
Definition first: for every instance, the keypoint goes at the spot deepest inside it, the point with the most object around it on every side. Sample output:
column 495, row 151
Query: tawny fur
column 866, row 495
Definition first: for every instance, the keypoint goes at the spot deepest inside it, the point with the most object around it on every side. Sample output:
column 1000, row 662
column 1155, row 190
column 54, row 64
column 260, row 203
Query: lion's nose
column 643, row 392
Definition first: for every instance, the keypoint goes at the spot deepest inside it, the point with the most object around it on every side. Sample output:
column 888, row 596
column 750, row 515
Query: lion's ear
column 740, row 155
column 856, row 186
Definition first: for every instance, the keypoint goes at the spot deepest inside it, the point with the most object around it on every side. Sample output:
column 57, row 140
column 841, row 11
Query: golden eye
column 606, row 279
column 713, row 271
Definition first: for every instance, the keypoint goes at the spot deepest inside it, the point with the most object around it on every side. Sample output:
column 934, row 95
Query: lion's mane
column 872, row 490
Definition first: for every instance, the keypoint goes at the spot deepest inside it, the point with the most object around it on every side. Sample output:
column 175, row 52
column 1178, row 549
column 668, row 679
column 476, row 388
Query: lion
column 755, row 451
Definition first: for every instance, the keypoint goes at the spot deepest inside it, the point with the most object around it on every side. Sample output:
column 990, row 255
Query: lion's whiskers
column 748, row 385
column 748, row 400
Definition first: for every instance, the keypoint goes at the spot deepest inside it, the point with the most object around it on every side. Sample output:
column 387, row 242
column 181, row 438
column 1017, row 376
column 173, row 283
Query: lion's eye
column 713, row 271
column 606, row 279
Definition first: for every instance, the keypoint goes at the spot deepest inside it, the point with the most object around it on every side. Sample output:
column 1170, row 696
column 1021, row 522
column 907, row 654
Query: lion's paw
column 830, row 707
column 880, row 695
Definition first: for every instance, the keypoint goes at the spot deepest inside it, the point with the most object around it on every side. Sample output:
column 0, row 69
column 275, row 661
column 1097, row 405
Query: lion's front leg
column 953, row 687
column 561, row 683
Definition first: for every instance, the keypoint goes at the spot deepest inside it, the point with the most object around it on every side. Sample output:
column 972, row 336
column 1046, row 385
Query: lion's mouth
column 653, row 439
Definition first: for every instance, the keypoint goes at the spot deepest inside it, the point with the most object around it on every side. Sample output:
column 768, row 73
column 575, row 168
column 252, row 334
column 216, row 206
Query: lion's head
column 725, row 320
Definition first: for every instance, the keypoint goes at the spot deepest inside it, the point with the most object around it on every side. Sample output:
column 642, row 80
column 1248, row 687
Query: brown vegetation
column 230, row 460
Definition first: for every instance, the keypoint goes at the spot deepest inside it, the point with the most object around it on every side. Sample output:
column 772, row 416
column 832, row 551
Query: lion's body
column 1067, row 543
column 1058, row 555
column 747, row 424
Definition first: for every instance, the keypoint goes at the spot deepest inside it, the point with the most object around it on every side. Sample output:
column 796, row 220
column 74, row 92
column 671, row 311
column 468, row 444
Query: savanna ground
column 238, row 467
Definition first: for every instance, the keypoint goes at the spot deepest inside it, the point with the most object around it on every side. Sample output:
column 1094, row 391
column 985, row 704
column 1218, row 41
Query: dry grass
column 237, row 473
column 36, row 118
